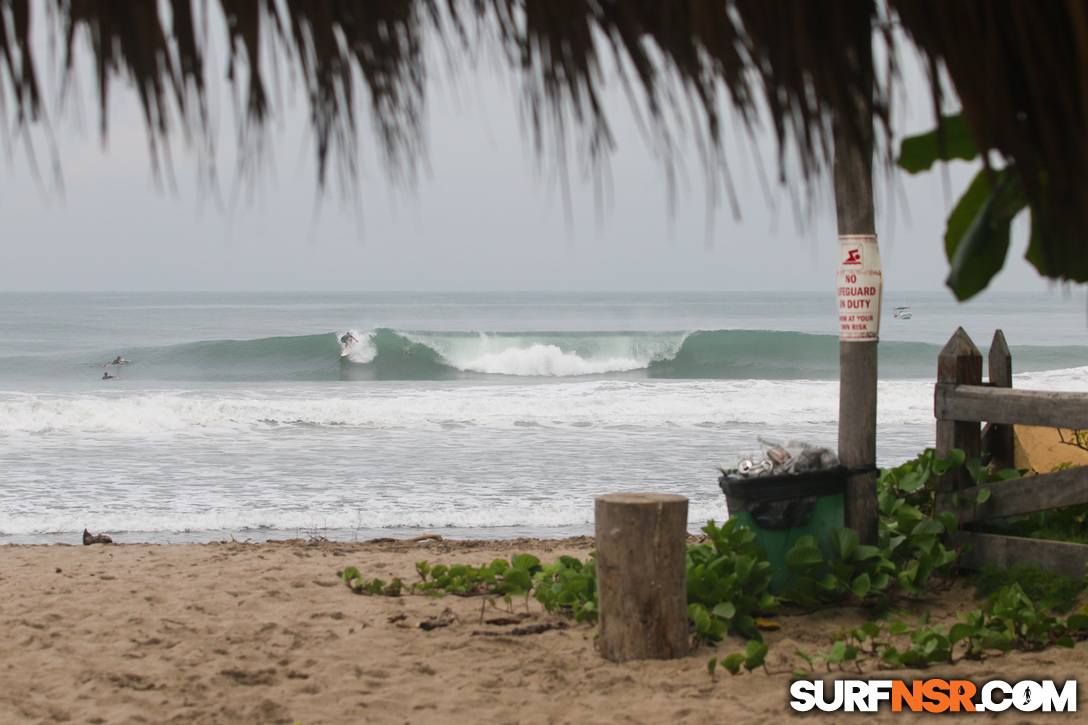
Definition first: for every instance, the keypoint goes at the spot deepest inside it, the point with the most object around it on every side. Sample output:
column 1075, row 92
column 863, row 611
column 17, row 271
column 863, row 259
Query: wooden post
column 642, row 576
column 999, row 437
column 858, row 359
column 960, row 363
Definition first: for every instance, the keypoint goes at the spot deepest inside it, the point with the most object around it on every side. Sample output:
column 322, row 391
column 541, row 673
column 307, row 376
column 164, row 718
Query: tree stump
column 642, row 576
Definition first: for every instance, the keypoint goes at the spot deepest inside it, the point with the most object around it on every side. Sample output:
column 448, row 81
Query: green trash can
column 781, row 509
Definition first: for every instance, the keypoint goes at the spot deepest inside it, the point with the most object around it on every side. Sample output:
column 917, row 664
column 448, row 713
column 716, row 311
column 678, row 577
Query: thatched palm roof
column 1020, row 70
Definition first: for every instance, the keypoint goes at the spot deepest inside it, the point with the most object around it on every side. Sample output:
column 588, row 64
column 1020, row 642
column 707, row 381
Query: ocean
column 490, row 415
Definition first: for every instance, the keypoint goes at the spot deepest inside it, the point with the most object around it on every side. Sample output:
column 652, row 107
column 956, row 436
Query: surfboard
column 346, row 349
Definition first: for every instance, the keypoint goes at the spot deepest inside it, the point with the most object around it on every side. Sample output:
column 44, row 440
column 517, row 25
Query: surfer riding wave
column 347, row 341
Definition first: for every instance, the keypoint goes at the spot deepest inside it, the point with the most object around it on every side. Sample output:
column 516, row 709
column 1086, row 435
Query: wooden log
column 1045, row 408
column 960, row 363
column 1005, row 552
column 1019, row 496
column 642, row 576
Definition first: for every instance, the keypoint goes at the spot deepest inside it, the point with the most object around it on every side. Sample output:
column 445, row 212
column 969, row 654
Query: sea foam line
column 270, row 520
column 611, row 403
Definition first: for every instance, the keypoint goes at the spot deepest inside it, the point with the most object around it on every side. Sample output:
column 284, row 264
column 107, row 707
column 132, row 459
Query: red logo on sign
column 853, row 257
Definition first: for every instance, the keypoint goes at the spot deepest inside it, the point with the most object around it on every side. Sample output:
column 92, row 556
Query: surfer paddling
column 107, row 376
column 116, row 361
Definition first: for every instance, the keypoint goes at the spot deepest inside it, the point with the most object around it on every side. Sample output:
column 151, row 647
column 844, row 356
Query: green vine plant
column 1009, row 621
column 357, row 583
column 568, row 585
column 910, row 557
column 912, row 560
column 729, row 577
column 499, row 579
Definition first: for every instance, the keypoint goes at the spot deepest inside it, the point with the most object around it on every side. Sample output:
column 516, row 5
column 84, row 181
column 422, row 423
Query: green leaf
column 948, row 518
column 907, row 516
column 845, row 541
column 911, row 481
column 866, row 552
column 892, row 657
column 746, row 624
column 743, row 568
column 871, row 629
column 1055, row 255
column 977, row 236
column 1001, row 641
column 725, row 610
column 1077, row 621
column 960, row 630
column 528, row 562
column 861, row 585
column 928, row 526
column 953, row 140
column 899, row 627
column 698, row 614
column 756, row 654
column 733, row 662
column 518, row 577
column 802, row 556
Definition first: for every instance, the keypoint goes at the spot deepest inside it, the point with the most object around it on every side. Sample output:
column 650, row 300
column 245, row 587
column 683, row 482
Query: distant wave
column 388, row 354
column 434, row 355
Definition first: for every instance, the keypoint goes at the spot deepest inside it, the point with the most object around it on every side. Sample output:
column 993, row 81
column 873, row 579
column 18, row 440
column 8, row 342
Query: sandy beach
column 236, row 633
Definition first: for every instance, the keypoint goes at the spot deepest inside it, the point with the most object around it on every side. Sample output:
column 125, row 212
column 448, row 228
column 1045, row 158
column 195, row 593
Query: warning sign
column 860, row 287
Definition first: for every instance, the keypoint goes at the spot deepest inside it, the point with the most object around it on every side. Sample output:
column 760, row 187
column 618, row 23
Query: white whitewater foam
column 531, row 356
column 546, row 360
column 269, row 520
column 773, row 404
column 1070, row 380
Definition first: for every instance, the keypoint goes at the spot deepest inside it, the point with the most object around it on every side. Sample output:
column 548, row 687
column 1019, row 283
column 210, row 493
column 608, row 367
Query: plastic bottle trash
column 777, row 460
column 792, row 490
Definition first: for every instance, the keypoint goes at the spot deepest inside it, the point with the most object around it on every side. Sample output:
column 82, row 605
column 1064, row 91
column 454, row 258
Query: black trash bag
column 781, row 502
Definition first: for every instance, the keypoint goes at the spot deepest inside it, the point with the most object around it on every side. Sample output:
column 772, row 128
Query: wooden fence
column 961, row 402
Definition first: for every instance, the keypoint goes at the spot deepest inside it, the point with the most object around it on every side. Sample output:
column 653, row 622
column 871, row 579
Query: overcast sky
column 486, row 215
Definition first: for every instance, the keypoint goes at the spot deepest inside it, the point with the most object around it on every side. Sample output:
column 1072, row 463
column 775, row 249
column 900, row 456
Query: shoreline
column 268, row 633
